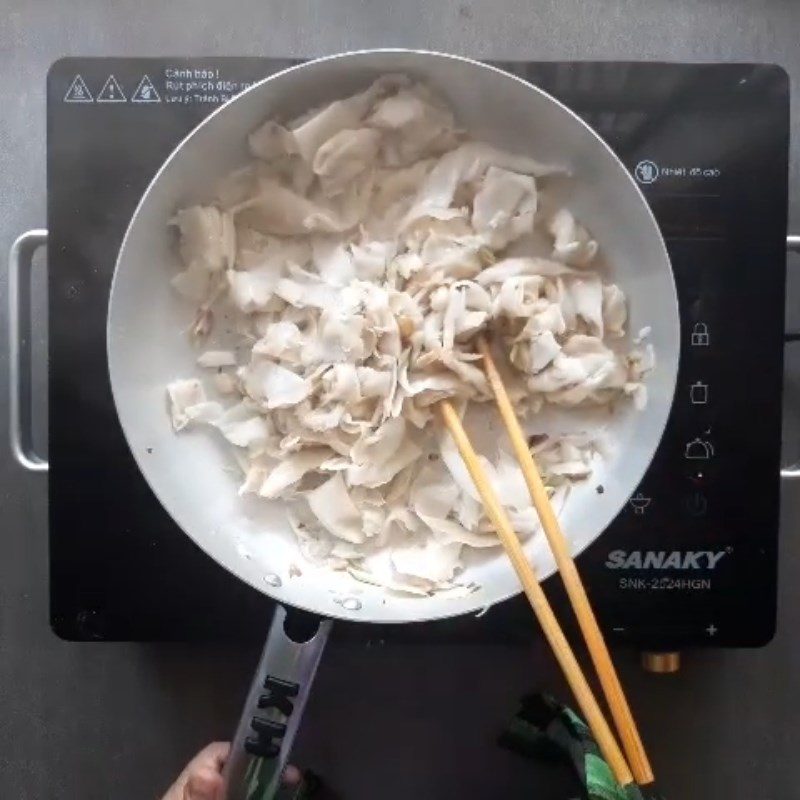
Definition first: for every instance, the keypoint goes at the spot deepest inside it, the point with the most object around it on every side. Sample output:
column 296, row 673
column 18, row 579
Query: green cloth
column 546, row 729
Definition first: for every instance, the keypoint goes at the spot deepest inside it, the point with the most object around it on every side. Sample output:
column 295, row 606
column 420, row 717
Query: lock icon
column 700, row 335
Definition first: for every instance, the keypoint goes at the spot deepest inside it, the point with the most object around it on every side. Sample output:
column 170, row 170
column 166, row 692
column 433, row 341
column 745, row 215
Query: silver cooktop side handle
column 20, row 259
column 793, row 472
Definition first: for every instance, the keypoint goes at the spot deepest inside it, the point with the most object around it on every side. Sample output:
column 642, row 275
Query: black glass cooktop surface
column 690, row 560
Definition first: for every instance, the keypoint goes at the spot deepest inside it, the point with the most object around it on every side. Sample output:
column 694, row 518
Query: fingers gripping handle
column 272, row 712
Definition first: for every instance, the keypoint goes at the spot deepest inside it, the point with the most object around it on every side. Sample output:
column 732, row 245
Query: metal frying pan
column 190, row 473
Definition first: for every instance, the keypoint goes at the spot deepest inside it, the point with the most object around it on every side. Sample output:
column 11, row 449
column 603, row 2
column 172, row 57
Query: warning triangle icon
column 78, row 92
column 145, row 92
column 111, row 92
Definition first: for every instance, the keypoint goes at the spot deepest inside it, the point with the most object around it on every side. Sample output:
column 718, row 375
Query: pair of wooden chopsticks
column 639, row 768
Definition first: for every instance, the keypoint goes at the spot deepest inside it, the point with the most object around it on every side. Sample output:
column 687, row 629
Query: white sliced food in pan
column 214, row 359
column 353, row 263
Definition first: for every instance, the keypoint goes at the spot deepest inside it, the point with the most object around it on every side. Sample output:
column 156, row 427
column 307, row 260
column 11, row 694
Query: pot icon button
column 640, row 503
column 698, row 393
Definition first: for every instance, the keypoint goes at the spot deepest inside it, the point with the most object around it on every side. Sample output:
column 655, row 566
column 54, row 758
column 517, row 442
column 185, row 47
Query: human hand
column 201, row 779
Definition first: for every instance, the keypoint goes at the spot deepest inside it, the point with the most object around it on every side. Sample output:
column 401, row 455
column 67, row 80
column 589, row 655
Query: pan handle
column 19, row 344
column 273, row 710
column 793, row 472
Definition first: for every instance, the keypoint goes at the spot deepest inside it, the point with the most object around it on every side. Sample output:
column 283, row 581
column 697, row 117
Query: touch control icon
column 696, row 504
column 646, row 172
column 640, row 503
column 700, row 335
column 698, row 393
column 699, row 450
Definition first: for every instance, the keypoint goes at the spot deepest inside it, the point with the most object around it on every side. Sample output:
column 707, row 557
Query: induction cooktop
column 691, row 558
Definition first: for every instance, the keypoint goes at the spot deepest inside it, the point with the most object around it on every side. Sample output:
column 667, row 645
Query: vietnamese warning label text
column 200, row 86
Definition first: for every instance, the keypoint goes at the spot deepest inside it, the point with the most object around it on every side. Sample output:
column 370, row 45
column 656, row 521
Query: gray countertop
column 100, row 721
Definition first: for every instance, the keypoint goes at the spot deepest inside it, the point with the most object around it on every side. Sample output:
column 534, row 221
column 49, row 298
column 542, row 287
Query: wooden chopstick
column 598, row 650
column 538, row 600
